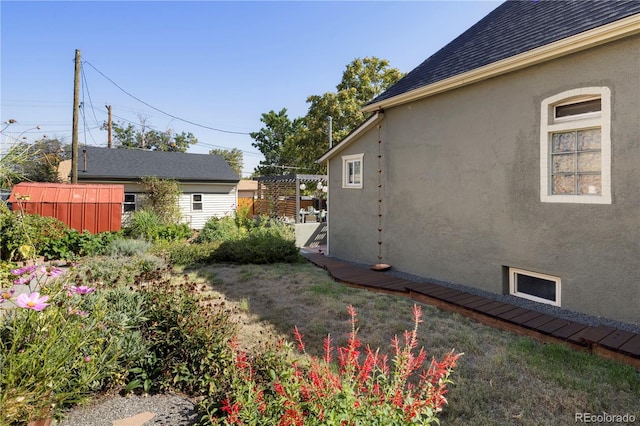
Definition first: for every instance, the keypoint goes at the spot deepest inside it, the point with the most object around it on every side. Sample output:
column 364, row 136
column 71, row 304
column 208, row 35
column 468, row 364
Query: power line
column 161, row 111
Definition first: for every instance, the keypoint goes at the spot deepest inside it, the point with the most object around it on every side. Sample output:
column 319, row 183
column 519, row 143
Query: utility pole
column 330, row 131
column 74, row 128
column 109, row 127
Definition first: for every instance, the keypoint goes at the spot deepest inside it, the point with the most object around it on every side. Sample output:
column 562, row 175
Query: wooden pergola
column 280, row 196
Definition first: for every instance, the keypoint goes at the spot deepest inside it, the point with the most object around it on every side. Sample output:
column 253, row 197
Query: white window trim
column 201, row 202
column 513, row 272
column 549, row 124
column 346, row 159
column 134, row 204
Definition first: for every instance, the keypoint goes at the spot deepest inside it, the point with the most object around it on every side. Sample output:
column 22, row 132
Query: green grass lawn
column 502, row 378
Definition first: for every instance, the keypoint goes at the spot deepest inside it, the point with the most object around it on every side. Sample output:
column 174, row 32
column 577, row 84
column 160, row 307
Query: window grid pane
column 196, row 202
column 353, row 172
column 576, row 162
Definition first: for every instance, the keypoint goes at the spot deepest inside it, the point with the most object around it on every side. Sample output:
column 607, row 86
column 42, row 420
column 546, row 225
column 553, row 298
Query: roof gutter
column 585, row 40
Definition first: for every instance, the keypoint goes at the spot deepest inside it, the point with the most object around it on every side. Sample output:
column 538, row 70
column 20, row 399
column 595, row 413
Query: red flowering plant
column 363, row 388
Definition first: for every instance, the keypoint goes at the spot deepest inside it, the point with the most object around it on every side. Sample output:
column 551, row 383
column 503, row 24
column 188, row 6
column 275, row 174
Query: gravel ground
column 169, row 410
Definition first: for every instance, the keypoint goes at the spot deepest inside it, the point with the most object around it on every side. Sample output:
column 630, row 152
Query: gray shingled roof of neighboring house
column 131, row 164
column 514, row 27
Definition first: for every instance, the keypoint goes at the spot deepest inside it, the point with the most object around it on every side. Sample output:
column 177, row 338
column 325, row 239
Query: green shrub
column 67, row 345
column 48, row 237
column 175, row 232
column 181, row 253
column 18, row 231
column 161, row 197
column 143, row 224
column 220, row 229
column 127, row 247
column 187, row 342
column 257, row 248
column 116, row 271
column 147, row 225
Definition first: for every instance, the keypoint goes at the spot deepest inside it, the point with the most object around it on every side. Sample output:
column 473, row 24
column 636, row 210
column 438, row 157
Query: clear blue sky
column 218, row 64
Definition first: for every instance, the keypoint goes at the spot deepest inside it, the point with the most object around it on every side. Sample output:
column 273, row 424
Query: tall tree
column 307, row 138
column 127, row 136
column 271, row 141
column 39, row 162
column 233, row 157
column 369, row 77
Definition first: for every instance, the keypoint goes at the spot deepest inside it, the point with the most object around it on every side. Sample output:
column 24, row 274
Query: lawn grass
column 502, row 378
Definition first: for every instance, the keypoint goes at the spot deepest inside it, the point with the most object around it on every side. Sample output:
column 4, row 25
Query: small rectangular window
column 129, row 204
column 352, row 171
column 353, row 176
column 584, row 107
column 534, row 286
column 196, row 202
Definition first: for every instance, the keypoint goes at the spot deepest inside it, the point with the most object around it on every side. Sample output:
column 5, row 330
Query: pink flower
column 83, row 289
column 87, row 358
column 50, row 271
column 6, row 294
column 24, row 270
column 25, row 274
column 33, row 301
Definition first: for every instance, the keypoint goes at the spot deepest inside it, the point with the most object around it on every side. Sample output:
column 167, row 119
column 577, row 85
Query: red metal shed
column 95, row 208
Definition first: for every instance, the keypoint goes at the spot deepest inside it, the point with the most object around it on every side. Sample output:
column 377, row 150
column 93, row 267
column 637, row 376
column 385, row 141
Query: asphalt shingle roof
column 130, row 164
column 514, row 27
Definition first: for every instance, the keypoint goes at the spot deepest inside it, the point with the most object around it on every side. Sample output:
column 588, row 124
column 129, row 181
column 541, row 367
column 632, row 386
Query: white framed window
column 196, row 202
column 575, row 147
column 352, row 171
column 540, row 288
column 129, row 204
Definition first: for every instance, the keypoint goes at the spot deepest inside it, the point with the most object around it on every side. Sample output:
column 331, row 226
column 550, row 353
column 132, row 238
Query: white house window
column 575, row 147
column 534, row 286
column 352, row 171
column 129, row 204
column 196, row 202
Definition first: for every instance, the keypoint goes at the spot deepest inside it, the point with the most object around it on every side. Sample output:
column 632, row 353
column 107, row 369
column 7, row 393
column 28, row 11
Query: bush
column 144, row 225
column 175, row 232
column 127, row 247
column 257, row 248
column 114, row 272
column 187, row 341
column 244, row 240
column 359, row 390
column 220, row 229
column 161, row 196
column 179, row 253
column 147, row 225
column 28, row 236
column 59, row 347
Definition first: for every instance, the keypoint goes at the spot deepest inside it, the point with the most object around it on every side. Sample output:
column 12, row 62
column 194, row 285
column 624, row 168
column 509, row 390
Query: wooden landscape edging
column 601, row 340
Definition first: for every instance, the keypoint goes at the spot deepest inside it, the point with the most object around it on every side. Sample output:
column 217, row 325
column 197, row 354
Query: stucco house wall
column 461, row 187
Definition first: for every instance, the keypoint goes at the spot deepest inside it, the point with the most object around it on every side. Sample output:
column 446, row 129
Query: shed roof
column 513, row 28
column 131, row 164
column 38, row 192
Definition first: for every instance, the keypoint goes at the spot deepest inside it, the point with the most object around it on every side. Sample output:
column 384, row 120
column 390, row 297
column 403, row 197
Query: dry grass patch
column 501, row 379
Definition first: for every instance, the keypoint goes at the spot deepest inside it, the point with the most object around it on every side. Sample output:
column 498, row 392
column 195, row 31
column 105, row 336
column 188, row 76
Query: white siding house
column 208, row 184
